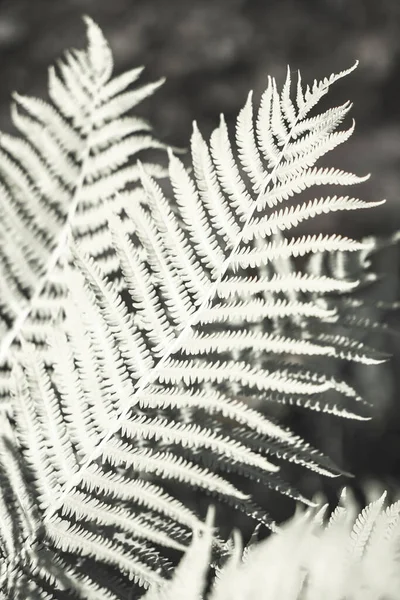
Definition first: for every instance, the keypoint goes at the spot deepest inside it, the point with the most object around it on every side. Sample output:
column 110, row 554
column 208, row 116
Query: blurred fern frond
column 75, row 151
column 353, row 556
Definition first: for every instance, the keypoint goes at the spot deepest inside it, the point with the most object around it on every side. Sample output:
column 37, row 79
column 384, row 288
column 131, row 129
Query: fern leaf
column 50, row 176
column 304, row 560
column 152, row 320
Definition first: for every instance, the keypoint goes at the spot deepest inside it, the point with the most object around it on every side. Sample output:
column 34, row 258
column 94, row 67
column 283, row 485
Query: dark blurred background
column 212, row 53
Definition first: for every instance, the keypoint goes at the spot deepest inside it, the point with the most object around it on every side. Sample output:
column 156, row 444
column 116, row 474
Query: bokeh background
column 212, row 52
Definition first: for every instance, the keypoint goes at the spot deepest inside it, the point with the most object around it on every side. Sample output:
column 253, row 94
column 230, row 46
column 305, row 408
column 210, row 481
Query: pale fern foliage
column 76, row 151
column 141, row 324
column 352, row 556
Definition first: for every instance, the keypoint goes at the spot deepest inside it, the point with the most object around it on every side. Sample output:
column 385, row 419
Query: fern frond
column 156, row 318
column 304, row 560
column 75, row 152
